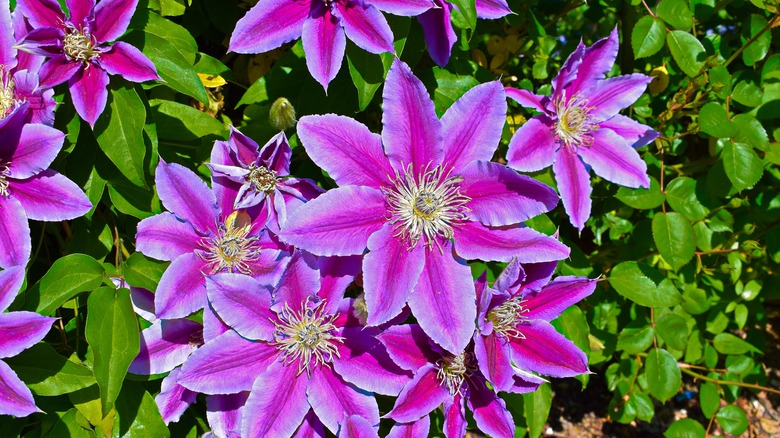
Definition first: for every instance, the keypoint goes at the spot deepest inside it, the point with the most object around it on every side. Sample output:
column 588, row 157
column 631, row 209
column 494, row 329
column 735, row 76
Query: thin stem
column 728, row 382
column 751, row 40
column 649, row 10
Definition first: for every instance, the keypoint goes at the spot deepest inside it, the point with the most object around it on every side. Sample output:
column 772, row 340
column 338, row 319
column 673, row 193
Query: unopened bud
column 282, row 114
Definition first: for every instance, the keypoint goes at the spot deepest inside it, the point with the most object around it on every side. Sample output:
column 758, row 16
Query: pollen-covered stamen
column 306, row 336
column 262, row 178
column 507, row 317
column 79, row 45
column 426, row 206
column 7, row 99
column 575, row 125
column 232, row 249
column 4, row 184
column 196, row 339
column 453, row 371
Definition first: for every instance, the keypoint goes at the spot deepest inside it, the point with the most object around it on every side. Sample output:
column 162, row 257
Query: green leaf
column 176, row 121
column 642, row 199
column 683, row 197
column 138, row 413
column 468, row 8
column 747, row 93
column 367, row 72
column 112, row 332
column 709, row 399
column 648, row 36
column 687, row 51
column 49, row 374
column 726, row 343
column 644, row 285
column 742, row 165
column 67, row 277
column 720, row 80
column 714, row 121
column 663, row 375
column 750, row 131
column 695, row 300
column 574, row 326
column 134, row 201
column 537, row 409
column 119, row 131
column 676, row 12
column 635, row 340
column 760, row 47
column 674, row 237
column 175, row 34
column 643, row 406
column 450, row 87
column 685, row 428
column 732, row 419
column 68, row 426
column 143, row 272
column 673, row 329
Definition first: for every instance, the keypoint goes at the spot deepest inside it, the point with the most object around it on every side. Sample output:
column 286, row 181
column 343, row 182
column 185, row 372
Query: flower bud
column 282, row 114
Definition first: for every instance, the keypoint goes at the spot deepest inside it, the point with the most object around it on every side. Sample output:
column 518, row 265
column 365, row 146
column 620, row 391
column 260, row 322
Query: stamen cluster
column 574, row 126
column 452, row 372
column 4, row 184
column 232, row 249
column 7, row 99
column 79, row 45
column 507, row 316
column 262, row 178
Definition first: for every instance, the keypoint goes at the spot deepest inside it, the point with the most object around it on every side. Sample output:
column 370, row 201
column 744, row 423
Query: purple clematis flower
column 202, row 235
column 18, row 332
column 260, row 176
column 581, row 121
column 28, row 188
column 296, row 348
column 324, row 26
column 514, row 324
column 79, row 51
column 443, row 378
column 422, row 197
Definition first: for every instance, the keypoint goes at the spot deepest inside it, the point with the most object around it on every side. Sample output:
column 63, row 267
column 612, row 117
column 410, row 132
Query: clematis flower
column 28, row 188
column 451, row 380
column 202, row 235
column 79, row 51
column 18, row 332
column 261, row 177
column 514, row 331
column 324, row 26
column 580, row 123
column 19, row 73
column 296, row 348
column 421, row 198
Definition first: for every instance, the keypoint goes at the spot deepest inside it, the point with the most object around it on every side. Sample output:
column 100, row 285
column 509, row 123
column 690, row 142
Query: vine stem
column 728, row 382
column 751, row 40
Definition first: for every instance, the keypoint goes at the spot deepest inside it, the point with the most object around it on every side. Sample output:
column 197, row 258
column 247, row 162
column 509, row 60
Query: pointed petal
column 475, row 241
column 20, row 331
column 390, row 272
column 568, row 72
column 184, row 194
column 127, row 61
column 41, row 13
column 494, row 362
column 338, row 222
column 336, row 274
column 38, row 146
column 17, row 398
column 224, row 413
column 499, row 196
column 227, row 178
column 490, row 412
column 444, row 300
column 80, row 10
column 50, row 196
column 212, row 325
column 613, row 159
column 333, row 399
column 597, row 60
column 511, row 278
column 537, row 275
column 574, row 186
column 89, row 92
column 112, row 18
column 173, row 398
column 57, row 70
column 182, row 288
column 408, row 346
column 165, row 237
column 243, row 304
column 438, row 32
column 412, row 132
column 364, row 362
column 15, row 245
column 634, row 132
column 324, row 43
column 404, row 8
column 227, row 364
column 533, row 146
column 545, row 351
column 454, row 417
column 365, row 26
column 356, row 426
column 525, row 382
column 165, row 345
column 416, row 429
column 11, row 280
column 420, row 396
column 277, row 403
column 268, row 25
column 142, row 299
column 311, row 427
column 492, row 9
column 611, row 95
column 563, row 292
column 346, row 149
column 526, row 98
column 474, row 135
column 7, row 40
column 300, row 281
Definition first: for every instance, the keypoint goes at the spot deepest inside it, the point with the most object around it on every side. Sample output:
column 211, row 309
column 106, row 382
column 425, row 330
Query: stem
column 649, row 10
column 714, row 251
column 751, row 40
column 728, row 382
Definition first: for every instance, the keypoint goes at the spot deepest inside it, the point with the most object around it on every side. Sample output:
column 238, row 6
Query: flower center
column 232, row 250
column 574, row 126
column 507, row 316
column 454, row 370
column 427, row 206
column 306, row 336
column 4, row 184
column 79, row 46
column 7, row 100
column 262, row 179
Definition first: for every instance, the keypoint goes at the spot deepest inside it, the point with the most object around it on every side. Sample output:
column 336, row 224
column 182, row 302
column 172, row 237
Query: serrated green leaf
column 663, row 375
column 676, row 12
column 695, row 300
column 732, row 419
column 760, row 46
column 683, row 197
column 67, row 277
column 726, row 343
column 685, row 428
column 644, row 285
column 709, row 399
column 642, row 199
column 687, row 51
column 49, row 374
column 675, row 239
column 742, row 165
column 648, row 36
column 714, row 121
column 635, row 340
column 750, row 131
column 673, row 329
column 119, row 131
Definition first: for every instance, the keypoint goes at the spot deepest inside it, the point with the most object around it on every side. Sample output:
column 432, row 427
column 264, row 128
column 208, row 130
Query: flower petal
column 365, row 26
column 300, row 281
column 493, row 357
column 21, row 330
column 613, row 159
column 527, row 98
column 338, row 222
column 609, row 96
column 277, row 403
column 492, row 9
column 165, row 345
column 57, row 70
column 597, row 61
column 404, row 8
column 346, row 149
column 568, row 72
column 490, row 412
column 574, row 186
column 438, row 32
column 42, row 13
column 7, row 39
column 533, row 146
column 268, row 25
column 499, row 196
column 182, row 288
column 225, row 412
column 416, row 429
column 38, row 146
column 408, row 346
column 333, row 399
column 184, row 194
column 11, row 280
column 243, row 304
column 15, row 245
column 89, row 92
column 364, row 362
column 324, row 43
column 80, row 10
column 17, row 398
column 420, row 396
column 548, row 303
column 356, row 426
column 127, row 61
column 173, row 398
column 454, row 417
column 165, row 237
column 112, row 18
column 634, row 132
column 545, row 351
column 412, row 132
column 475, row 241
column 311, row 427
column 336, row 274
column 444, row 300
column 390, row 272
column 50, row 196
column 474, row 135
